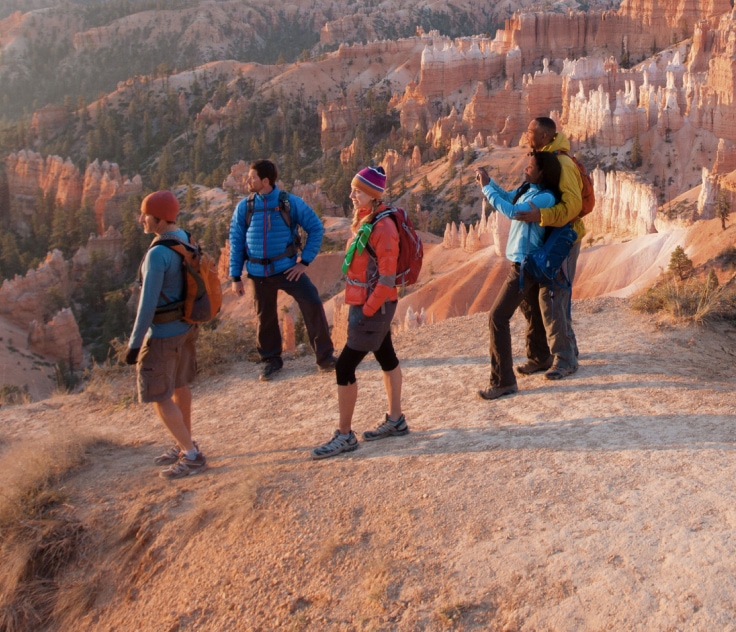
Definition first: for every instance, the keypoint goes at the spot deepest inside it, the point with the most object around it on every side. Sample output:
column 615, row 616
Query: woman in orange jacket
column 370, row 266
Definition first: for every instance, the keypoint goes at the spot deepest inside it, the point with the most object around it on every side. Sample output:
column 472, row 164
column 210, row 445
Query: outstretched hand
column 533, row 215
column 482, row 177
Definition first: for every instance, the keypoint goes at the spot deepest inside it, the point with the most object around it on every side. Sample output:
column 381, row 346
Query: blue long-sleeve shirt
column 268, row 235
column 163, row 283
column 524, row 237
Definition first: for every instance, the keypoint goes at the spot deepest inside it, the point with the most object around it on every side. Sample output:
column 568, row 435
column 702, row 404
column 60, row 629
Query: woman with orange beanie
column 370, row 266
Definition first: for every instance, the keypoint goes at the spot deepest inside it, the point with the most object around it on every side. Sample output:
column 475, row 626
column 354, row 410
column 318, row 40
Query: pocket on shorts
column 366, row 333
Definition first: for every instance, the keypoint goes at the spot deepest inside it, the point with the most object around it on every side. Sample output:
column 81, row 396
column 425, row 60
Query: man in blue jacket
column 261, row 238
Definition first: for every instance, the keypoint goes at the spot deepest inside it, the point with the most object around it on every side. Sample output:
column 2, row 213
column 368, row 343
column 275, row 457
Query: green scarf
column 359, row 243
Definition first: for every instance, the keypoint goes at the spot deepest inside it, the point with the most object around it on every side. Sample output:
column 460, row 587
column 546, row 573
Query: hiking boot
column 339, row 443
column 532, row 366
column 268, row 371
column 328, row 365
column 388, row 428
column 494, row 392
column 171, row 456
column 185, row 467
column 557, row 372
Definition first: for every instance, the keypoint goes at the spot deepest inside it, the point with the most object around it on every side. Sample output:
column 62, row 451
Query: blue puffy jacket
column 268, row 235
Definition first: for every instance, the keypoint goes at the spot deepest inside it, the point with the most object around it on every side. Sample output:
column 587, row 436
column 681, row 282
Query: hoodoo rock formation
column 59, row 338
column 101, row 187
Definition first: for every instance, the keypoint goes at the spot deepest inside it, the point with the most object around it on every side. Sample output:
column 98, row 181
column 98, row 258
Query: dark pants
column 507, row 300
column 268, row 334
column 549, row 327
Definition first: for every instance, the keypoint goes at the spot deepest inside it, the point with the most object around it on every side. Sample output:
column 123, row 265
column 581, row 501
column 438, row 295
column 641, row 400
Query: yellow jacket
column 571, row 187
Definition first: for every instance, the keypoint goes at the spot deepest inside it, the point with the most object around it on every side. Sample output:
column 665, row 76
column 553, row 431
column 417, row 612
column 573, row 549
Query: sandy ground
column 601, row 502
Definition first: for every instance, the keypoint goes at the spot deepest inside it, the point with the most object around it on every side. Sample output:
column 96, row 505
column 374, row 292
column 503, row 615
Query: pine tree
column 166, row 175
column 680, row 263
column 636, row 157
column 723, row 207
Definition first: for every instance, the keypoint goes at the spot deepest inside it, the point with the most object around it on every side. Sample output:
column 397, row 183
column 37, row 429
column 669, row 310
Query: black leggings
column 350, row 359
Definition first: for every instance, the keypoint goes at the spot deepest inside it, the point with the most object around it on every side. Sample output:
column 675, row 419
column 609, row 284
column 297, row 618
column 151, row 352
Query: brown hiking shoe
column 494, row 392
column 557, row 372
column 532, row 366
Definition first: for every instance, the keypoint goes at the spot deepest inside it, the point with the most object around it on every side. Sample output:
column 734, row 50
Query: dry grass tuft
column 224, row 342
column 39, row 535
column 11, row 395
column 112, row 381
column 691, row 300
column 450, row 615
column 376, row 579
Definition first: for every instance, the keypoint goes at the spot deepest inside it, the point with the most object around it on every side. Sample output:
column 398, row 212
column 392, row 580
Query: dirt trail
column 604, row 501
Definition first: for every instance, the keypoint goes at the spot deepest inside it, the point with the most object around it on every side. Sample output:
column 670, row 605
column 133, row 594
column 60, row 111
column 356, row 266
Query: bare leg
column 392, row 382
column 173, row 419
column 183, row 399
column 346, row 398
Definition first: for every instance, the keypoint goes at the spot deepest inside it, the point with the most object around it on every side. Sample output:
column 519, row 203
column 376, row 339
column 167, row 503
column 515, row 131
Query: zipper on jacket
column 265, row 234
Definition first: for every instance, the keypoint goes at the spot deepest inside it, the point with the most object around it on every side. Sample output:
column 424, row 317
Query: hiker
column 541, row 186
column 164, row 349
column 558, row 358
column 370, row 266
column 267, row 244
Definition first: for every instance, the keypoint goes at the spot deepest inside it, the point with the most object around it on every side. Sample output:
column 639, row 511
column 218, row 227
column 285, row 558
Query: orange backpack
column 202, row 287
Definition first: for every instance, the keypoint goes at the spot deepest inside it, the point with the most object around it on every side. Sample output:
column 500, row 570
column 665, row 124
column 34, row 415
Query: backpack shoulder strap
column 388, row 211
column 285, row 207
column 250, row 204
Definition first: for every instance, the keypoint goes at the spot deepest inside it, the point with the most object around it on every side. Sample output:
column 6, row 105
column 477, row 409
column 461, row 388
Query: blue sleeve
column 501, row 201
column 494, row 191
column 153, row 280
column 237, row 239
column 311, row 223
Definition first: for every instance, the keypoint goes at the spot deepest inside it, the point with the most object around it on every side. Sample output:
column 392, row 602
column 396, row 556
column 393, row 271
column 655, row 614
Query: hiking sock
column 191, row 454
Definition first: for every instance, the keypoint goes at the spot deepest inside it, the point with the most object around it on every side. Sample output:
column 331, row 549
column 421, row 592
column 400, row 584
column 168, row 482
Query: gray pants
column 549, row 325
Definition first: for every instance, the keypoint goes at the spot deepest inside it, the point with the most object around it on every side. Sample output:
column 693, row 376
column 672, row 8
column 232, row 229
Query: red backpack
column 411, row 249
column 588, row 193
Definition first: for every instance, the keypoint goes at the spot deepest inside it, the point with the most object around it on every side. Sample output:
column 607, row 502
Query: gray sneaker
column 171, row 456
column 185, row 467
column 339, row 443
column 388, row 428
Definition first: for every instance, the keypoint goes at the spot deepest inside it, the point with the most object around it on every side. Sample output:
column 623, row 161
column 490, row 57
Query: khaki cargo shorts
column 165, row 364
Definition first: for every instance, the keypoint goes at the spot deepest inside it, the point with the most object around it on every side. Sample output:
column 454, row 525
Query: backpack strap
column 284, row 207
column 172, row 311
column 379, row 216
column 387, row 212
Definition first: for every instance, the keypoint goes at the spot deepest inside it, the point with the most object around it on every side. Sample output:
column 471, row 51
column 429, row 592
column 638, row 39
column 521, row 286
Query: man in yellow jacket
column 550, row 343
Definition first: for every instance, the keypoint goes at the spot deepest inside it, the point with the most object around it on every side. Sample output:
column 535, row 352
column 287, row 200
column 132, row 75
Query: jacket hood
column 559, row 143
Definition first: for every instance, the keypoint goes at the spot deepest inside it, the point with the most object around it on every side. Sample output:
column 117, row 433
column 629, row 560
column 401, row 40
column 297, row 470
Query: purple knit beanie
column 371, row 180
